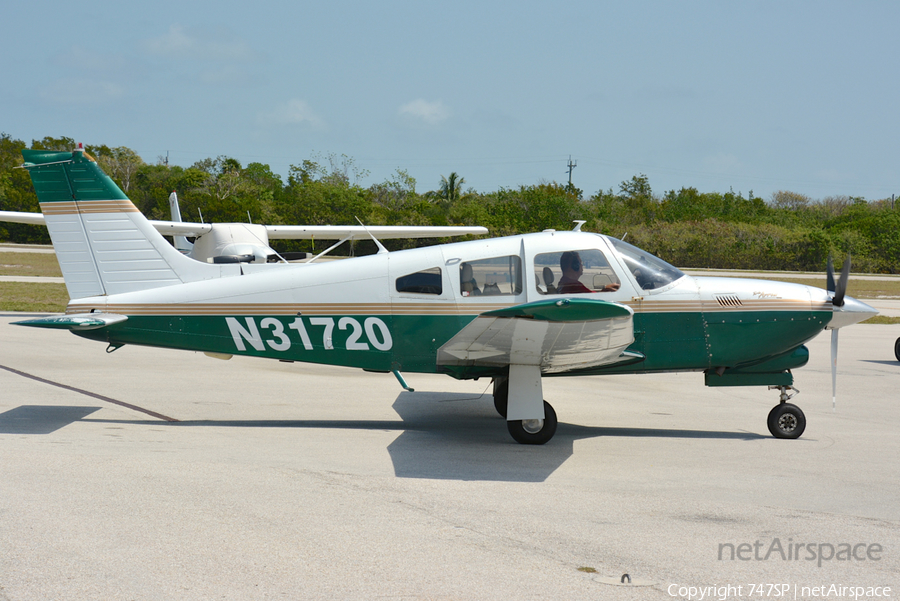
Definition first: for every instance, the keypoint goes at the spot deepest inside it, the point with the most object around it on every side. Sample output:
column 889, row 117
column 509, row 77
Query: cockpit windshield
column 649, row 271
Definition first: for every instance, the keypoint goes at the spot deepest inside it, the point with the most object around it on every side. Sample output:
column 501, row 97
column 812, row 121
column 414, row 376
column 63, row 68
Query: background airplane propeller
column 838, row 290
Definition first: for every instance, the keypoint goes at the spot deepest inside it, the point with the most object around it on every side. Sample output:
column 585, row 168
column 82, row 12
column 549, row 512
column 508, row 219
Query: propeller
column 838, row 291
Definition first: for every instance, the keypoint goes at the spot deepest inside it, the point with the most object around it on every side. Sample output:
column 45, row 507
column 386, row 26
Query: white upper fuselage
column 373, row 280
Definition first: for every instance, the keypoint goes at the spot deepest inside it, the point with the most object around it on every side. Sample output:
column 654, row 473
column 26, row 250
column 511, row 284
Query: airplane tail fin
column 183, row 245
column 103, row 243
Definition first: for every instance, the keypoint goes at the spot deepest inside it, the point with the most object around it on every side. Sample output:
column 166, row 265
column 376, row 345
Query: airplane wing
column 557, row 335
column 358, row 232
column 290, row 232
column 168, row 228
column 18, row 217
column 181, row 228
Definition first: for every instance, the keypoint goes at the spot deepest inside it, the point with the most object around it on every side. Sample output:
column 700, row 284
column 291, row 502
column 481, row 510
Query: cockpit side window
column 427, row 281
column 649, row 271
column 497, row 276
column 580, row 271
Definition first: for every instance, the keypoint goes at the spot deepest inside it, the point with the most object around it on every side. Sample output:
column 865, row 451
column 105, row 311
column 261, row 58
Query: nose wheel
column 897, row 349
column 786, row 420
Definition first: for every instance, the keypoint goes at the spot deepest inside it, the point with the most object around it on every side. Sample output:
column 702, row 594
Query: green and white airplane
column 513, row 309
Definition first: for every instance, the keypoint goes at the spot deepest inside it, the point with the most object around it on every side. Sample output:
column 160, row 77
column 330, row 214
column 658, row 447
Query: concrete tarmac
column 296, row 481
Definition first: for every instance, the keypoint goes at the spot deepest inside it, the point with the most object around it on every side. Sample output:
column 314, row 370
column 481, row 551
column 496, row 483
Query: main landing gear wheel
column 534, row 431
column 897, row 349
column 786, row 421
column 501, row 397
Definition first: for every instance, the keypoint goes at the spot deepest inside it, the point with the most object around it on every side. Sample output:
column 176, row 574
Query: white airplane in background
column 249, row 242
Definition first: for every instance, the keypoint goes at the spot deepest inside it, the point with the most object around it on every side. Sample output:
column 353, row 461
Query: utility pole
column 571, row 166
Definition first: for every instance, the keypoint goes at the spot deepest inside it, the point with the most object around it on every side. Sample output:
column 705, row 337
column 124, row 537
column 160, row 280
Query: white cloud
column 221, row 45
column 85, row 59
column 292, row 112
column 431, row 113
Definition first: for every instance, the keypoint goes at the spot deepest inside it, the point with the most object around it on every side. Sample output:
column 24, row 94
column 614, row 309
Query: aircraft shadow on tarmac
column 41, row 419
column 460, row 437
column 446, row 436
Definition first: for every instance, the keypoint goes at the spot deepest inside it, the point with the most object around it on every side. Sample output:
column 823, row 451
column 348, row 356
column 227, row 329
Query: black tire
column 534, row 431
column 897, row 349
column 501, row 397
column 786, row 421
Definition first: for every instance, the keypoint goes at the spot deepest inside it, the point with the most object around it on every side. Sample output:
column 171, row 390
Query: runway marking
column 90, row 394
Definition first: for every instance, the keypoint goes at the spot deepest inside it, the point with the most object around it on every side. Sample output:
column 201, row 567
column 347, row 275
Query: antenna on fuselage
column 578, row 223
column 381, row 248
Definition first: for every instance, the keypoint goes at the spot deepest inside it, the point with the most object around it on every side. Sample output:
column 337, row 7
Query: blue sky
column 760, row 96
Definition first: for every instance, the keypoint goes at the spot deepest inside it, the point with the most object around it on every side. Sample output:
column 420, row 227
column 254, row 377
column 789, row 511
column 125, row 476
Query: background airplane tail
column 183, row 245
column 103, row 243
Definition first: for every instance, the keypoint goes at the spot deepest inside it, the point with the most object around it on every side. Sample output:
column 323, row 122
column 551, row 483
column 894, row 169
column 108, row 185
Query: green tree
column 120, row 163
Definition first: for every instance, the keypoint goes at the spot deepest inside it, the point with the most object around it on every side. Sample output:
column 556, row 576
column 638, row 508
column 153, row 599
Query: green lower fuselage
column 741, row 342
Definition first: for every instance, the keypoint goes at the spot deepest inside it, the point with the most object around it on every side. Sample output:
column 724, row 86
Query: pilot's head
column 570, row 263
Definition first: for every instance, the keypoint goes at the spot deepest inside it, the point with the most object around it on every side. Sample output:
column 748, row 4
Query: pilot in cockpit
column 573, row 268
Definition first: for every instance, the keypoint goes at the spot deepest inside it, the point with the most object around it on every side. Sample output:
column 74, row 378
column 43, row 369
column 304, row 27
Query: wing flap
column 558, row 336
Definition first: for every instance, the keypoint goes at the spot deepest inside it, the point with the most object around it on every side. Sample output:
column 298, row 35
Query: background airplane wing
column 290, row 232
column 181, row 228
column 358, row 232
column 557, row 335
column 18, row 217
column 169, row 228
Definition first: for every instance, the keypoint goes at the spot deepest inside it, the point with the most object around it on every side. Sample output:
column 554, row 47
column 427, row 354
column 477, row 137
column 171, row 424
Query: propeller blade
column 829, row 276
column 841, row 288
column 834, row 347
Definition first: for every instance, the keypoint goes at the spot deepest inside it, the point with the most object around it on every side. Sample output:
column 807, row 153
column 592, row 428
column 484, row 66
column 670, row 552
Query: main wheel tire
column 786, row 421
column 897, row 349
column 501, row 397
column 534, row 431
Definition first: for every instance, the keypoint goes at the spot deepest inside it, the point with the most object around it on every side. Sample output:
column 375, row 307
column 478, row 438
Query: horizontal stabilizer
column 82, row 321
column 558, row 336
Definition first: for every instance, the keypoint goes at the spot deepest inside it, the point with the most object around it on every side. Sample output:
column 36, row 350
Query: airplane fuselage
column 396, row 310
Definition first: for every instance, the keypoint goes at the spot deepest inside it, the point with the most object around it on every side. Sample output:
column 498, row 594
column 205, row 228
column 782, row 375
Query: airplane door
column 421, row 296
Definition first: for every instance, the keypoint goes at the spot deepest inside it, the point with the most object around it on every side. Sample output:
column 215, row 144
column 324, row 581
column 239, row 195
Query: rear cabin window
column 499, row 276
column 427, row 281
column 574, row 272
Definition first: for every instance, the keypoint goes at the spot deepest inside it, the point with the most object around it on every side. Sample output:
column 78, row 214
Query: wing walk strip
column 93, row 395
column 709, row 306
